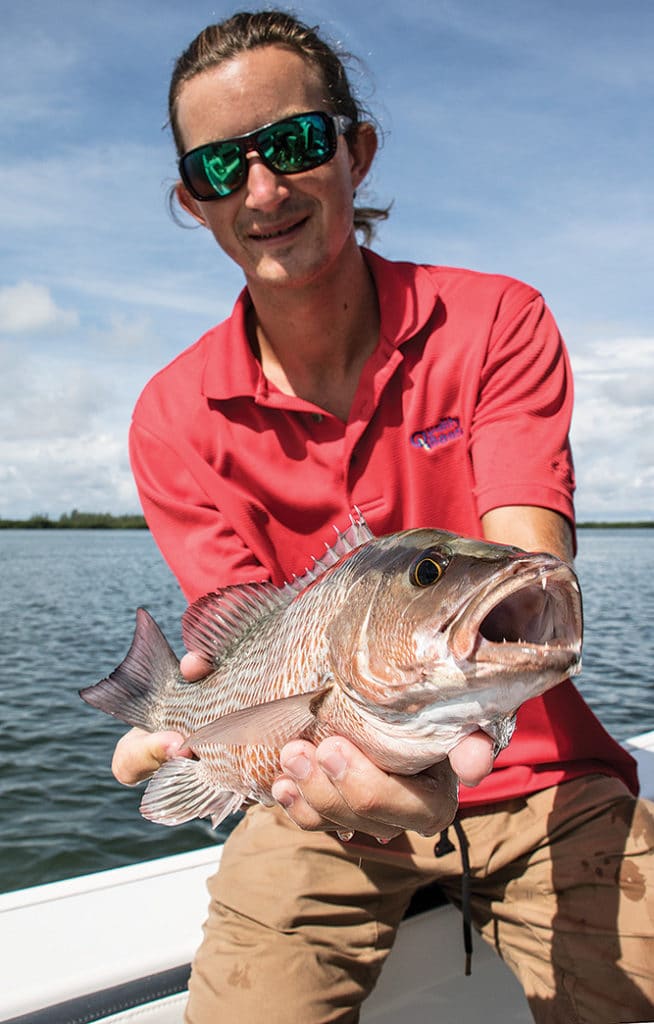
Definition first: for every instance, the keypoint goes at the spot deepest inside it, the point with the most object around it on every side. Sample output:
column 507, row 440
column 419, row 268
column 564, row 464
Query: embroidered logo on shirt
column 443, row 432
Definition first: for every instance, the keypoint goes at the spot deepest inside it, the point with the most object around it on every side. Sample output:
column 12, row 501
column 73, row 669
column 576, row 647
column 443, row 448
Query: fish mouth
column 530, row 614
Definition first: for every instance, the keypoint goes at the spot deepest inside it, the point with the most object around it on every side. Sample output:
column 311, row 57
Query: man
column 424, row 396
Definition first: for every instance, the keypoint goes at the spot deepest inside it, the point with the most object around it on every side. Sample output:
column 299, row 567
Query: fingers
column 138, row 754
column 194, row 666
column 336, row 787
column 472, row 758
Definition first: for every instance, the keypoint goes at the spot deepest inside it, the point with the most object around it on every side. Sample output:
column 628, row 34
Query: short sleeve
column 519, row 441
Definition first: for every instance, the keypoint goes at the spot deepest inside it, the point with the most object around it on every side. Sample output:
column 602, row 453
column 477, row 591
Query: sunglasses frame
column 335, row 125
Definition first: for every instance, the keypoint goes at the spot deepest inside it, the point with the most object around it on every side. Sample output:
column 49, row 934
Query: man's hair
column 246, row 31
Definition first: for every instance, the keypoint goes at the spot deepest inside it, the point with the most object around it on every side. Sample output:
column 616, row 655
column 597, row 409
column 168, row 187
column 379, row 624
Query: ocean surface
column 67, row 603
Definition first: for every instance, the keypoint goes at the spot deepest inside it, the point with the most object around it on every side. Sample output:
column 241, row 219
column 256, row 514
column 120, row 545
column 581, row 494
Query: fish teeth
column 544, row 583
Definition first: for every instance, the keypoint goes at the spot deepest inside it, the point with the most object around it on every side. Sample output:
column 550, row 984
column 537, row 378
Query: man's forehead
column 248, row 91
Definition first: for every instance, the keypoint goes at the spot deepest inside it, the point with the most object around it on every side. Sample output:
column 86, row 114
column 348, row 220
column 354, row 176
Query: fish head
column 433, row 616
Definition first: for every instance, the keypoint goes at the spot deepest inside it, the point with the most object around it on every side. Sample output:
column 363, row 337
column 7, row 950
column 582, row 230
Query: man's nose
column 265, row 189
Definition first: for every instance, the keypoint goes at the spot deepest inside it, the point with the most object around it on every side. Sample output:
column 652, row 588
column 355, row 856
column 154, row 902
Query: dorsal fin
column 213, row 623
column 356, row 534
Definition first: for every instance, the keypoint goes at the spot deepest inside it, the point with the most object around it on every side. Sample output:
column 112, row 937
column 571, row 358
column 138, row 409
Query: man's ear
column 362, row 152
column 188, row 203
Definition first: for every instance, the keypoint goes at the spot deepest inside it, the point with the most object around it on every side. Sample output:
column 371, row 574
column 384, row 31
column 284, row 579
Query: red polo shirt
column 464, row 406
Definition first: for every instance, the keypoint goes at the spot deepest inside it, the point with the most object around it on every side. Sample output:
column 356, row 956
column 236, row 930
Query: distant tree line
column 76, row 520
column 642, row 524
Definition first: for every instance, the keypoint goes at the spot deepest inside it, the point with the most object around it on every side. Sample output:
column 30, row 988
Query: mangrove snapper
column 404, row 644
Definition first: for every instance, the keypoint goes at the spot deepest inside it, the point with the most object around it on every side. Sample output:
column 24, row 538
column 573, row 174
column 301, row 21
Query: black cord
column 465, row 895
column 443, row 847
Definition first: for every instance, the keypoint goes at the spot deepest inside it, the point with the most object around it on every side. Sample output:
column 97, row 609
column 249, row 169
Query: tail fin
column 135, row 691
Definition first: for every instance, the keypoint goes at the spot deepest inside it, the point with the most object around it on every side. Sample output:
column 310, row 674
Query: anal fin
column 182, row 790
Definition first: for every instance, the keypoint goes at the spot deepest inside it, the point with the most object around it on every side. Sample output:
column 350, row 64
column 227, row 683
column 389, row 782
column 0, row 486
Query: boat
column 115, row 947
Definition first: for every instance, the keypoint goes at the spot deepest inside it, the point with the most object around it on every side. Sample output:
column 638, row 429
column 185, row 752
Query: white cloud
column 52, row 406
column 54, row 475
column 64, row 419
column 27, row 307
column 613, row 428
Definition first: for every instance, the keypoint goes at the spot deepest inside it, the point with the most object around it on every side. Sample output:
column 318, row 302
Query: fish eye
column 428, row 567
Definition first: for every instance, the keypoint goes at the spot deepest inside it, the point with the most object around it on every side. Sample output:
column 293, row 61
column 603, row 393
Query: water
column 67, row 602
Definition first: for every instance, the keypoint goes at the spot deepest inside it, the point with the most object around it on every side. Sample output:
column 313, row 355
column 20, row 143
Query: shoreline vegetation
column 76, row 520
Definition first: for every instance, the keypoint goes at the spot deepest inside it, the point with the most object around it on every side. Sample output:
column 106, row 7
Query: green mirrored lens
column 223, row 166
column 297, row 144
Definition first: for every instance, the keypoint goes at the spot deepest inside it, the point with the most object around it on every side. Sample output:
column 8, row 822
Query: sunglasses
column 290, row 146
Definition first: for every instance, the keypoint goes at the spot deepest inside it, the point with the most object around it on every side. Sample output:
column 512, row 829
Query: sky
column 517, row 138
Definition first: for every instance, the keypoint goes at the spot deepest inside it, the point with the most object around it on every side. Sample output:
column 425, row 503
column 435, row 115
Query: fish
column 404, row 644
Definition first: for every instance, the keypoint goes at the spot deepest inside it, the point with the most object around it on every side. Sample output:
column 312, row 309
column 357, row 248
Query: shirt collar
column 407, row 295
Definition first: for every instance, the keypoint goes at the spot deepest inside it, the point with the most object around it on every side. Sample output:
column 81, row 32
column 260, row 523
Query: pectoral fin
column 272, row 724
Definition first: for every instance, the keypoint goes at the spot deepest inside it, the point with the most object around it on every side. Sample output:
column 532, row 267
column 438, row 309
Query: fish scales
column 404, row 644
column 278, row 659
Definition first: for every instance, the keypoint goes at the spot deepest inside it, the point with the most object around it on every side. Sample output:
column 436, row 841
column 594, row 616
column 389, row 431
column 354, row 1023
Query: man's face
column 281, row 230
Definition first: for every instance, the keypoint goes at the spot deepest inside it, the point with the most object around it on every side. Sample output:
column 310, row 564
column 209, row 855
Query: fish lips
column 530, row 616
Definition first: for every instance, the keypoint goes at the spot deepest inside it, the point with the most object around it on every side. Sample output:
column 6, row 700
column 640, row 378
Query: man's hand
column 335, row 787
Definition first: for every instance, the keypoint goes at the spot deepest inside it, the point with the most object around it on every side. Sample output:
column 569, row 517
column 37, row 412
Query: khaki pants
column 562, row 885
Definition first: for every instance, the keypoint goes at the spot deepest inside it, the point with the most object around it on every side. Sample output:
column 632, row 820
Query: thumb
column 138, row 754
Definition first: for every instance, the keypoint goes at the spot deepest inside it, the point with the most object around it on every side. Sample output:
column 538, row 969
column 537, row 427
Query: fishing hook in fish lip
column 528, row 608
